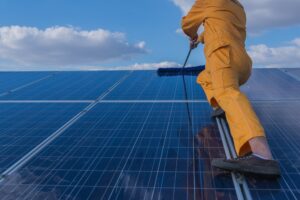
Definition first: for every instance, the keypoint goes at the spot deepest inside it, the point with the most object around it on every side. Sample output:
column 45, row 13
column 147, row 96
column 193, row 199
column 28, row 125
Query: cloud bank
column 136, row 66
column 284, row 56
column 62, row 46
column 262, row 14
column 184, row 5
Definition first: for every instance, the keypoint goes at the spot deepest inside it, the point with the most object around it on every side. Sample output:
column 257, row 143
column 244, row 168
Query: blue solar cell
column 69, row 86
column 129, row 151
column 12, row 80
column 23, row 126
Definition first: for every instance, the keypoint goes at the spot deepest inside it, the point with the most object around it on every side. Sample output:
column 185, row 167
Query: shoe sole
column 259, row 170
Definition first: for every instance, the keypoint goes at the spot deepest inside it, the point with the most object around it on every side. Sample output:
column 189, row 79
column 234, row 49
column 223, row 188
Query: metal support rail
column 239, row 181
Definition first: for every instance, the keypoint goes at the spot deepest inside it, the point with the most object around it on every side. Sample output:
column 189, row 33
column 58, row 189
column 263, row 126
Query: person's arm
column 192, row 21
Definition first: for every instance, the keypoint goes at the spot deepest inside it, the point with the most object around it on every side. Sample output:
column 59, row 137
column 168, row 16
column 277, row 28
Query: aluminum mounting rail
column 239, row 181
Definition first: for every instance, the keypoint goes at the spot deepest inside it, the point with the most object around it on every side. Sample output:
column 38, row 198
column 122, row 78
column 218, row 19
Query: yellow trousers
column 228, row 67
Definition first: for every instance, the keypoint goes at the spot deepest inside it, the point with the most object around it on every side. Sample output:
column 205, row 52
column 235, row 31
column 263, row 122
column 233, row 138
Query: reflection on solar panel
column 135, row 138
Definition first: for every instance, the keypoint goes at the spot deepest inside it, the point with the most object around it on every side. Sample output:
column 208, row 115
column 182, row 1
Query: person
column 227, row 67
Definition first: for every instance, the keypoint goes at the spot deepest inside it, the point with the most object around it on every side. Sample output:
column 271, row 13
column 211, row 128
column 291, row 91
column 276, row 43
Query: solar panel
column 140, row 139
column 24, row 126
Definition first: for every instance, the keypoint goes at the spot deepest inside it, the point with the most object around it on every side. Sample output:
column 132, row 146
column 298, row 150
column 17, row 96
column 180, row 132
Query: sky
column 133, row 34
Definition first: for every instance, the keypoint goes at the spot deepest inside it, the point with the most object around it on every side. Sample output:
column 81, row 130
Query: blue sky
column 148, row 34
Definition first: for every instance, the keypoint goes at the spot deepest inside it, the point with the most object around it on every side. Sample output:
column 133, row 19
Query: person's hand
column 194, row 42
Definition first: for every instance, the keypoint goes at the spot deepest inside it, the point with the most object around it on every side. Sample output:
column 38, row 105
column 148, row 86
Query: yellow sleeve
column 192, row 21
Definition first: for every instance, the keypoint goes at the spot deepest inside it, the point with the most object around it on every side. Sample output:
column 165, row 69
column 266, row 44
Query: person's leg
column 242, row 120
column 255, row 145
column 244, row 125
column 243, row 64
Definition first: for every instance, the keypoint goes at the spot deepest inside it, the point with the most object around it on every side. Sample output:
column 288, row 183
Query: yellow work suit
column 227, row 64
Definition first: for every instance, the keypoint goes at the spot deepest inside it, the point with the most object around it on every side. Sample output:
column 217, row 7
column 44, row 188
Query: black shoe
column 249, row 164
column 219, row 112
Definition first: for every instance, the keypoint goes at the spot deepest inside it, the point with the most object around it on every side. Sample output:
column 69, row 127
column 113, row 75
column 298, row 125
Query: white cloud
column 284, row 56
column 184, row 5
column 262, row 14
column 63, row 46
column 296, row 41
column 179, row 31
column 136, row 66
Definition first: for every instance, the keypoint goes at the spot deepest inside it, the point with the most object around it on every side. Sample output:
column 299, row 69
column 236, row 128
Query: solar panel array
column 137, row 137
